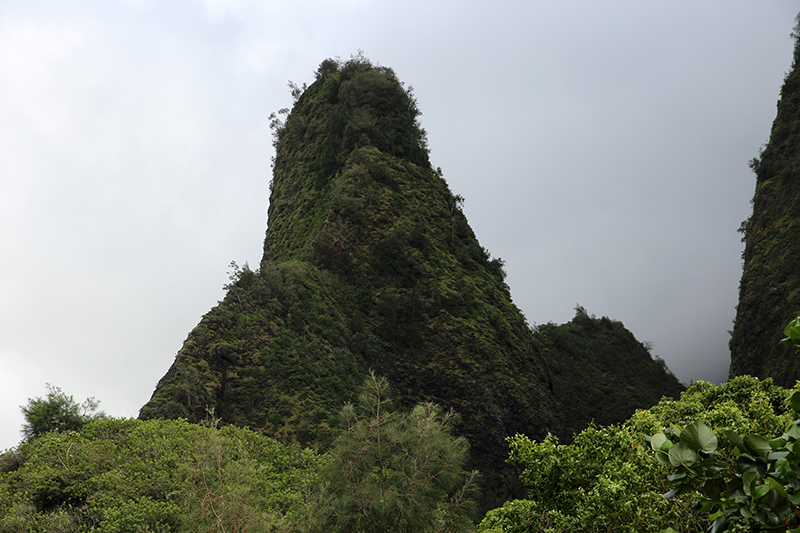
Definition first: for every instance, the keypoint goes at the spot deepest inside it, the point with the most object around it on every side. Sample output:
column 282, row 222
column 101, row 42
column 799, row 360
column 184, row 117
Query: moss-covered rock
column 601, row 373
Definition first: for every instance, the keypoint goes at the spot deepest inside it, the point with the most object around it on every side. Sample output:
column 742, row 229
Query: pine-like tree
column 395, row 471
column 57, row 412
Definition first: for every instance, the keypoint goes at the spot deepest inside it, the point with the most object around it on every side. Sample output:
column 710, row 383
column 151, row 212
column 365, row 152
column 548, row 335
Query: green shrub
column 394, row 471
column 608, row 479
column 155, row 475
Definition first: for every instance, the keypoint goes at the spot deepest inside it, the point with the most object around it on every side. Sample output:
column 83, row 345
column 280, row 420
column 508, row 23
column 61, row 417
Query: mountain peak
column 369, row 265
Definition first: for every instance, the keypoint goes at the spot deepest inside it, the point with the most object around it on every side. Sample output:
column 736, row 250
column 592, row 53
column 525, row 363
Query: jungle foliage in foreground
column 608, row 478
column 155, row 475
column 389, row 469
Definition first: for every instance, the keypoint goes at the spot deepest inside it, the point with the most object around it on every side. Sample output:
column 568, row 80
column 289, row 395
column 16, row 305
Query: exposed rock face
column 769, row 292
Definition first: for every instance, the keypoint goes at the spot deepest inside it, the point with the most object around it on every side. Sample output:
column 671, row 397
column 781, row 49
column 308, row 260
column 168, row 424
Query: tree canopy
column 57, row 412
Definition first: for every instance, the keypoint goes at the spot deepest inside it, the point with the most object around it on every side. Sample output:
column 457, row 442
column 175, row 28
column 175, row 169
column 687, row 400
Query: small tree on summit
column 57, row 412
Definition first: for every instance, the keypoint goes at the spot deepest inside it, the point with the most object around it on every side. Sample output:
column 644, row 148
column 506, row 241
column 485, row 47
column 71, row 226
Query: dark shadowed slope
column 601, row 373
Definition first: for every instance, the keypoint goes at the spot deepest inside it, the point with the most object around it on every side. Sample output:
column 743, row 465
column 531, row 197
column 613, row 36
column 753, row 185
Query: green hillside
column 769, row 292
column 369, row 264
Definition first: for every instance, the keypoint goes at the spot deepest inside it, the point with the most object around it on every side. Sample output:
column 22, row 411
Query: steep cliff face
column 769, row 292
column 369, row 264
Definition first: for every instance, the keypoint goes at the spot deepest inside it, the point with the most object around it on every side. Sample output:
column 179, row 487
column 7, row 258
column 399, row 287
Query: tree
column 57, row 412
column 609, row 479
column 395, row 471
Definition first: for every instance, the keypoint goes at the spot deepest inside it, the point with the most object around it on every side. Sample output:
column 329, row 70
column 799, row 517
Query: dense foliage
column 755, row 486
column 749, row 483
column 390, row 470
column 769, row 292
column 159, row 476
column 608, row 479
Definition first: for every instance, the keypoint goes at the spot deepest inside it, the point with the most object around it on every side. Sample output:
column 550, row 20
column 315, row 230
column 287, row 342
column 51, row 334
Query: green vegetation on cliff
column 769, row 292
column 369, row 264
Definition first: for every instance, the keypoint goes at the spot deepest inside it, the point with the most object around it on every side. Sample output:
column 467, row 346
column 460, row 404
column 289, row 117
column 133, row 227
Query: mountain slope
column 769, row 292
column 369, row 264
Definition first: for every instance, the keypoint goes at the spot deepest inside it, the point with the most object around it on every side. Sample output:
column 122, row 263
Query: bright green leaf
column 748, row 481
column 781, row 454
column 677, row 476
column 682, row 455
column 657, row 440
column 699, row 437
column 663, row 458
column 777, row 487
column 760, row 491
column 783, row 467
column 793, row 431
column 757, row 445
column 793, row 330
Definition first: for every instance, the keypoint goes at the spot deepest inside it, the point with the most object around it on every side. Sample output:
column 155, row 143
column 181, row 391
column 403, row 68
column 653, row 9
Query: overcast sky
column 601, row 148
